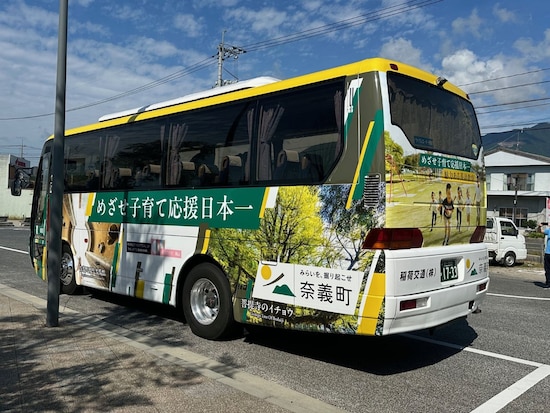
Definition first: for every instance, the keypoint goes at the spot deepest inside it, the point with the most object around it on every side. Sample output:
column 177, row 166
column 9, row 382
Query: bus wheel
column 207, row 302
column 66, row 275
column 509, row 259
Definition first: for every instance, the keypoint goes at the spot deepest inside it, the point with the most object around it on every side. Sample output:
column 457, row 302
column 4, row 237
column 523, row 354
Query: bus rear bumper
column 435, row 308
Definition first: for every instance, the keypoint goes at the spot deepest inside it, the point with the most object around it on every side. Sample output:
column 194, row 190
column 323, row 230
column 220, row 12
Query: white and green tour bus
column 351, row 200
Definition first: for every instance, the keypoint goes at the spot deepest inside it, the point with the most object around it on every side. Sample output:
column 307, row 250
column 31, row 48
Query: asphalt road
column 498, row 360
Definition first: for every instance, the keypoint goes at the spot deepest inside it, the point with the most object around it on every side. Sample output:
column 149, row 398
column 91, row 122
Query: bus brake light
column 393, row 238
column 412, row 304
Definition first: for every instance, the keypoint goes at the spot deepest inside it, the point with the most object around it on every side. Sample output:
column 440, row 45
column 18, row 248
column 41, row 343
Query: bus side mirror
column 16, row 187
column 20, row 182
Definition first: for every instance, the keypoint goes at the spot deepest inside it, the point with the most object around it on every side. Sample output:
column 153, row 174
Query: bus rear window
column 432, row 118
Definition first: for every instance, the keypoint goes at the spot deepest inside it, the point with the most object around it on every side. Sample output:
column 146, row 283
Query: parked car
column 505, row 244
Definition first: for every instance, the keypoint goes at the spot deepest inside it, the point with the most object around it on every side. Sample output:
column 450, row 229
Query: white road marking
column 521, row 297
column 475, row 350
column 509, row 394
column 514, row 391
column 13, row 250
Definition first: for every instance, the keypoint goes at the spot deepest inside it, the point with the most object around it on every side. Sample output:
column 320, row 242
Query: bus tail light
column 412, row 304
column 478, row 235
column 481, row 287
column 393, row 238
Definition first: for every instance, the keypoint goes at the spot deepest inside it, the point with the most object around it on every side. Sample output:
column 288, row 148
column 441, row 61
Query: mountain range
column 534, row 140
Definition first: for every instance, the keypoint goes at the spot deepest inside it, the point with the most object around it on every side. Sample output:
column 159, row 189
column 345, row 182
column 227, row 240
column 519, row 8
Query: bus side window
column 311, row 168
column 150, row 176
column 232, row 171
column 207, row 174
column 122, row 178
column 288, row 165
column 188, row 175
column 92, row 184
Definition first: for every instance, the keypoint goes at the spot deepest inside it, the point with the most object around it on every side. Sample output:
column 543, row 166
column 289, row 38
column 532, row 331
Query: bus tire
column 509, row 259
column 207, row 304
column 67, row 273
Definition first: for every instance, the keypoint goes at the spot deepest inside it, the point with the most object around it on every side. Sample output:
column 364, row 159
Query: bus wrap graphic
column 450, row 168
column 308, row 287
column 219, row 208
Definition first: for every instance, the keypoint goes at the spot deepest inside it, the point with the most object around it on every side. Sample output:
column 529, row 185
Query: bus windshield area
column 432, row 118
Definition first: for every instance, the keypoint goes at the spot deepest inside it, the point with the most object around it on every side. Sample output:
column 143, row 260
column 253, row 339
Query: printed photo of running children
column 442, row 196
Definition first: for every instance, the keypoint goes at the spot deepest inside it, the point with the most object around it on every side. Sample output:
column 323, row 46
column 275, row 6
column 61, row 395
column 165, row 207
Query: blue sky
column 499, row 52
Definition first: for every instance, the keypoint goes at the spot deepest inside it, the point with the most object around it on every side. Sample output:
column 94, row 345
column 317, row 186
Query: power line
column 508, row 109
column 509, row 87
column 167, row 79
column 504, row 77
column 298, row 36
column 523, row 125
column 341, row 25
column 512, row 103
column 180, row 73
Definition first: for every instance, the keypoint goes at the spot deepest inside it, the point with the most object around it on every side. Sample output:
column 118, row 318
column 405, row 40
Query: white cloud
column 83, row 3
column 473, row 25
column 266, row 21
column 215, row 3
column 312, row 5
column 189, row 24
column 503, row 14
column 22, row 16
column 403, row 50
column 125, row 12
column 150, row 49
column 465, row 68
column 532, row 51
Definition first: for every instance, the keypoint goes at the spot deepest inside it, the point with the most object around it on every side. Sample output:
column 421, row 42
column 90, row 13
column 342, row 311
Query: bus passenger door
column 151, row 258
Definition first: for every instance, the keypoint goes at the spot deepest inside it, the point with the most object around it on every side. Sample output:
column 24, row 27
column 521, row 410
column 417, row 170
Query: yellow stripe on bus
column 373, row 304
column 205, row 241
column 44, row 274
column 359, row 165
column 90, row 204
column 264, row 202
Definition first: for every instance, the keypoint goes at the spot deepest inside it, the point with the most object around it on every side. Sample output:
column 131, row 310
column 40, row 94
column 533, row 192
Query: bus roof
column 245, row 84
column 259, row 86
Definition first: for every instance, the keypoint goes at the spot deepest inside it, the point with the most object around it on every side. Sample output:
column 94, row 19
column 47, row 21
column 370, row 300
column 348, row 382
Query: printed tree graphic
column 347, row 227
column 290, row 232
column 293, row 231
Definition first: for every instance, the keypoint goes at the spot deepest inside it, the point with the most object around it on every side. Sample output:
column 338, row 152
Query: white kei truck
column 505, row 244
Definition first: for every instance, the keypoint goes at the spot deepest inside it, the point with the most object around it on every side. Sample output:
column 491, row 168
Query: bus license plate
column 449, row 270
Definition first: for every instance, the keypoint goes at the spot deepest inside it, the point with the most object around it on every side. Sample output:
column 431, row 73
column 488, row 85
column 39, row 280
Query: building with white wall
column 13, row 207
column 518, row 185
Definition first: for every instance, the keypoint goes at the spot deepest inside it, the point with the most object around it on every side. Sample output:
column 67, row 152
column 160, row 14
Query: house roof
column 510, row 157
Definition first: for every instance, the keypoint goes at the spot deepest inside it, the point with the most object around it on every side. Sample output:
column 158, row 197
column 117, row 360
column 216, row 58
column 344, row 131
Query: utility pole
column 225, row 51
column 57, row 173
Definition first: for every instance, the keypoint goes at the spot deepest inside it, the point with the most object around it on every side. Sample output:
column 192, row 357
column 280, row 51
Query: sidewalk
column 87, row 365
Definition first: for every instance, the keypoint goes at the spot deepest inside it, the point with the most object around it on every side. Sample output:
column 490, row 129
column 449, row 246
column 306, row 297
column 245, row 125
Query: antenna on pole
column 224, row 52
